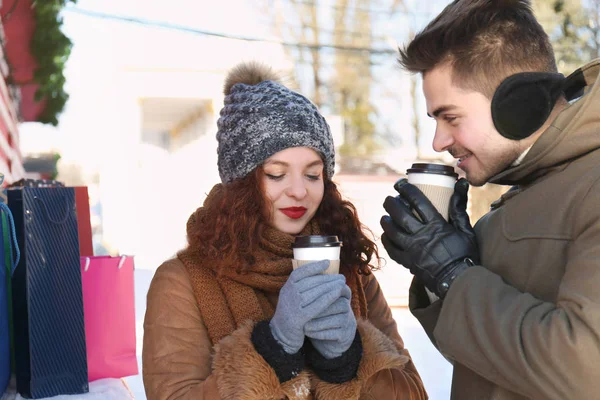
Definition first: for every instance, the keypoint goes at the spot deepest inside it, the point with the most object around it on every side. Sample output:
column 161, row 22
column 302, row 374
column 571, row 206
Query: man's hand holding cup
column 418, row 237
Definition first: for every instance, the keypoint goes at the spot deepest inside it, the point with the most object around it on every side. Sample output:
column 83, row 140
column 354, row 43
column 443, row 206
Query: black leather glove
column 434, row 250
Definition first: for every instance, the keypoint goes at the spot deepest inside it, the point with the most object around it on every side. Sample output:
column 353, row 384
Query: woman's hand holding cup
column 307, row 294
column 333, row 331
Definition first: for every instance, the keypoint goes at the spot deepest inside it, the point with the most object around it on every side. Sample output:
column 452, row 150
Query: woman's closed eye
column 312, row 177
column 275, row 177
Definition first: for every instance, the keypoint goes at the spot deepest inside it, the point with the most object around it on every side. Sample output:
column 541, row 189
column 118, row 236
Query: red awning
column 19, row 26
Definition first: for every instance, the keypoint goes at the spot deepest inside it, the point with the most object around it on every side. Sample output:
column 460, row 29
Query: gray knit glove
column 306, row 294
column 333, row 331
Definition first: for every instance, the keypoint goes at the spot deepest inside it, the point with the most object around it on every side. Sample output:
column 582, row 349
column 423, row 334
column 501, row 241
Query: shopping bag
column 109, row 303
column 8, row 247
column 84, row 225
column 7, row 261
column 27, row 182
column 82, row 202
column 50, row 353
column 3, row 198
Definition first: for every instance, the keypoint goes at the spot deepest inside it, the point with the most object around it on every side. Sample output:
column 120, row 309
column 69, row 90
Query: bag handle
column 88, row 261
column 57, row 222
column 13, row 233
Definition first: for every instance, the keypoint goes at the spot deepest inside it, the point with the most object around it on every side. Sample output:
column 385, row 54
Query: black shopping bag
column 50, row 352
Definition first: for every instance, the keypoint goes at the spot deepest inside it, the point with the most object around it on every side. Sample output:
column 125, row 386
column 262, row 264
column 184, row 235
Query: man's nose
column 442, row 140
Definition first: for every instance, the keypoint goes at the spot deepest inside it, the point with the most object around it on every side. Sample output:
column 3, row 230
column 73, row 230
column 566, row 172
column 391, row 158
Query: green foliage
column 360, row 129
column 51, row 49
column 573, row 29
column 54, row 174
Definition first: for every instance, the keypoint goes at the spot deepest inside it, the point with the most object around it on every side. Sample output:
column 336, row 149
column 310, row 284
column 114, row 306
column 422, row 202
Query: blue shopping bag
column 7, row 266
column 50, row 350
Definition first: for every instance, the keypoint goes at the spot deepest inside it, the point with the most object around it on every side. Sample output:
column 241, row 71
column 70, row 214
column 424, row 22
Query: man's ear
column 524, row 101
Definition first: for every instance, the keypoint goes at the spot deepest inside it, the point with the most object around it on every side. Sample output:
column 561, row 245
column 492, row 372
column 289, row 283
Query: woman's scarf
column 228, row 299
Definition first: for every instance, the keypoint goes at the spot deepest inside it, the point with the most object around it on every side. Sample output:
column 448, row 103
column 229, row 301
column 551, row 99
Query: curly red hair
column 232, row 227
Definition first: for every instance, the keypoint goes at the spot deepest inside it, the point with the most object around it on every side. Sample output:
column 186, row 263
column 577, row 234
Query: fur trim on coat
column 379, row 353
column 242, row 373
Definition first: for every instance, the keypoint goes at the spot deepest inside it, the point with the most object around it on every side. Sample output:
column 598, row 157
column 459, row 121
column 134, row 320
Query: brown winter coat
column 526, row 323
column 179, row 361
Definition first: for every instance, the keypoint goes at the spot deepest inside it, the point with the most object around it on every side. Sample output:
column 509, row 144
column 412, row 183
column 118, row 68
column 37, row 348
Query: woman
column 228, row 318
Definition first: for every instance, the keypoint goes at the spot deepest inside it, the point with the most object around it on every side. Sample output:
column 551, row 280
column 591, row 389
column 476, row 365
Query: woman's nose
column 297, row 188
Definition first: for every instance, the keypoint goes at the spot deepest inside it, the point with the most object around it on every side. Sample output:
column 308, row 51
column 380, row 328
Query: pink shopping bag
column 109, row 307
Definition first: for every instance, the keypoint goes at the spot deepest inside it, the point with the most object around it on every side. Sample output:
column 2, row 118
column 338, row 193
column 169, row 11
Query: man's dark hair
column 484, row 41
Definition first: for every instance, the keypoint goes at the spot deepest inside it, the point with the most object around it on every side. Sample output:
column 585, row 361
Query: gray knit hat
column 262, row 117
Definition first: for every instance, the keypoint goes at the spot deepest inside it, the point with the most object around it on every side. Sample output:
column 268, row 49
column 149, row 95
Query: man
column 519, row 308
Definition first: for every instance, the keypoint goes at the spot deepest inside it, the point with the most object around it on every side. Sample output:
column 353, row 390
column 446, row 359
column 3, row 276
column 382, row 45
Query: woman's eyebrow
column 285, row 164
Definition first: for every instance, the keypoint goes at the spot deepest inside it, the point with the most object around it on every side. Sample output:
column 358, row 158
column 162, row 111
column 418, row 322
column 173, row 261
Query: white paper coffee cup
column 315, row 248
column 436, row 181
column 317, row 253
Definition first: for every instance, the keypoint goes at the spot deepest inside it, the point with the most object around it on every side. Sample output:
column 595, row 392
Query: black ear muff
column 524, row 101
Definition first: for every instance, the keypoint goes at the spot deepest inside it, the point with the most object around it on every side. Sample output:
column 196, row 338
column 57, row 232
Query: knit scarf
column 228, row 299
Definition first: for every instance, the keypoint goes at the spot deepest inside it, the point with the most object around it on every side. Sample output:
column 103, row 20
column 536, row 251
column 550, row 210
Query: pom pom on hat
column 251, row 73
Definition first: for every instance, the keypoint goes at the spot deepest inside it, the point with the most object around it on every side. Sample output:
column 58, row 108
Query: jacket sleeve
column 386, row 371
column 538, row 349
column 422, row 309
column 179, row 361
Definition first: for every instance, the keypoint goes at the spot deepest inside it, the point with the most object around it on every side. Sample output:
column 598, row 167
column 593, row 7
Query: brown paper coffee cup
column 439, row 197
column 436, row 181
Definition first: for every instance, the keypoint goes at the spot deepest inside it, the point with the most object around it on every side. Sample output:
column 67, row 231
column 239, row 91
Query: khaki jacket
column 179, row 361
column 526, row 323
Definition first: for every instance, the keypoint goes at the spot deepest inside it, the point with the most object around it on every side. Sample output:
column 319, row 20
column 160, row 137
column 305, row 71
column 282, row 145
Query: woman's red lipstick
column 293, row 212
